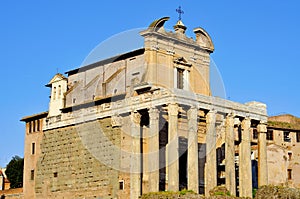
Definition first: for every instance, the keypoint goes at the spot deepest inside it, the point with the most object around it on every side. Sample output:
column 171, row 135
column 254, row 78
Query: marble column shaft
column 211, row 156
column 262, row 155
column 230, row 155
column 172, row 149
column 193, row 176
column 245, row 168
column 135, row 166
column 153, row 153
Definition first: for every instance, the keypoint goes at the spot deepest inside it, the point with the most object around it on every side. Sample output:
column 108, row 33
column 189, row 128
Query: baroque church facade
column 144, row 121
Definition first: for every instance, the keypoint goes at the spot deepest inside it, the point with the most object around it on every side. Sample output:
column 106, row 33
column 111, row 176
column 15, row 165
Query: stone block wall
column 73, row 162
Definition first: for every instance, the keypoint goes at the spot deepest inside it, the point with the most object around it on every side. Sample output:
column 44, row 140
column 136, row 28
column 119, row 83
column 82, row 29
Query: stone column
column 245, row 168
column 211, row 156
column 230, row 155
column 172, row 149
column 193, row 176
column 135, row 166
column 153, row 153
column 262, row 155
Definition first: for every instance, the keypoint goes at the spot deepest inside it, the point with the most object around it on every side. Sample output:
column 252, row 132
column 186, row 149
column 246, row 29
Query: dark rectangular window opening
column 298, row 136
column 55, row 174
column 289, row 174
column 290, row 156
column 33, row 148
column 180, row 78
column 38, row 125
column 32, row 175
column 270, row 135
column 286, row 136
column 30, row 127
column 33, row 126
column 255, row 134
column 121, row 184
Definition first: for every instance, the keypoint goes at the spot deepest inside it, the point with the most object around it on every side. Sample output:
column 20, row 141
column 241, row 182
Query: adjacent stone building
column 143, row 121
column 283, row 139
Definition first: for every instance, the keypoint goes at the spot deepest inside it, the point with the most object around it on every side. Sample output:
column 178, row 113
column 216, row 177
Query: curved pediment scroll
column 203, row 39
column 158, row 24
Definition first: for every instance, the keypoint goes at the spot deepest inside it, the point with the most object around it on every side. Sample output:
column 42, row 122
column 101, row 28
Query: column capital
column 246, row 123
column 173, row 109
column 229, row 120
column 262, row 128
column 211, row 117
column 153, row 113
column 192, row 112
column 135, row 117
column 116, row 121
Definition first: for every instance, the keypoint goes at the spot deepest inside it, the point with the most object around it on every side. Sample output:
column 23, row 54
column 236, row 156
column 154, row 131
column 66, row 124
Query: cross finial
column 180, row 12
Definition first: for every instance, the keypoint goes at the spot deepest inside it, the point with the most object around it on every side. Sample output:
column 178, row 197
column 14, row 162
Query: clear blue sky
column 257, row 49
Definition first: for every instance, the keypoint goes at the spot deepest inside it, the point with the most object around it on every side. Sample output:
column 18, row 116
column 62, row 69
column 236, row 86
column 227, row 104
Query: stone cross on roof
column 180, row 12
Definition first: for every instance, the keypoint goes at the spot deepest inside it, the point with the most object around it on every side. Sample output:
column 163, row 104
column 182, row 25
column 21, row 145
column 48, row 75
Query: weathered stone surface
column 276, row 192
column 79, row 173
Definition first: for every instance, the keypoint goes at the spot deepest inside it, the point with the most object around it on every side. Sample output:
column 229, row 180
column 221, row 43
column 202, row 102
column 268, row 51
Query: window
column 54, row 93
column 33, row 148
column 59, row 92
column 180, row 79
column 30, row 127
column 270, row 135
column 38, row 125
column 255, row 134
column 121, row 184
column 289, row 172
column 286, row 136
column 55, row 174
column 34, row 126
column 298, row 136
column 32, row 175
column 290, row 156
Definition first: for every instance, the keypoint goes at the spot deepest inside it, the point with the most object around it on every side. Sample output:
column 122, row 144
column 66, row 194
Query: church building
column 144, row 121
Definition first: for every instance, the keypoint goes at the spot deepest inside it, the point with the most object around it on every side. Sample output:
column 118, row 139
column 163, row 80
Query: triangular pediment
column 182, row 61
column 56, row 78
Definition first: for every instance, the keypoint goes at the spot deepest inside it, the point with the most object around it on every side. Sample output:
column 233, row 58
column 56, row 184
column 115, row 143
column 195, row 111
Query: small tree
column 14, row 172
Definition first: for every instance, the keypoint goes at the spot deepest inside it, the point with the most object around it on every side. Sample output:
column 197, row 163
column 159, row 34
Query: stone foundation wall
column 72, row 165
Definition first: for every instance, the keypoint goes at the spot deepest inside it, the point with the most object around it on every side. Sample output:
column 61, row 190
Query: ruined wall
column 284, row 156
column 277, row 165
column 73, row 162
